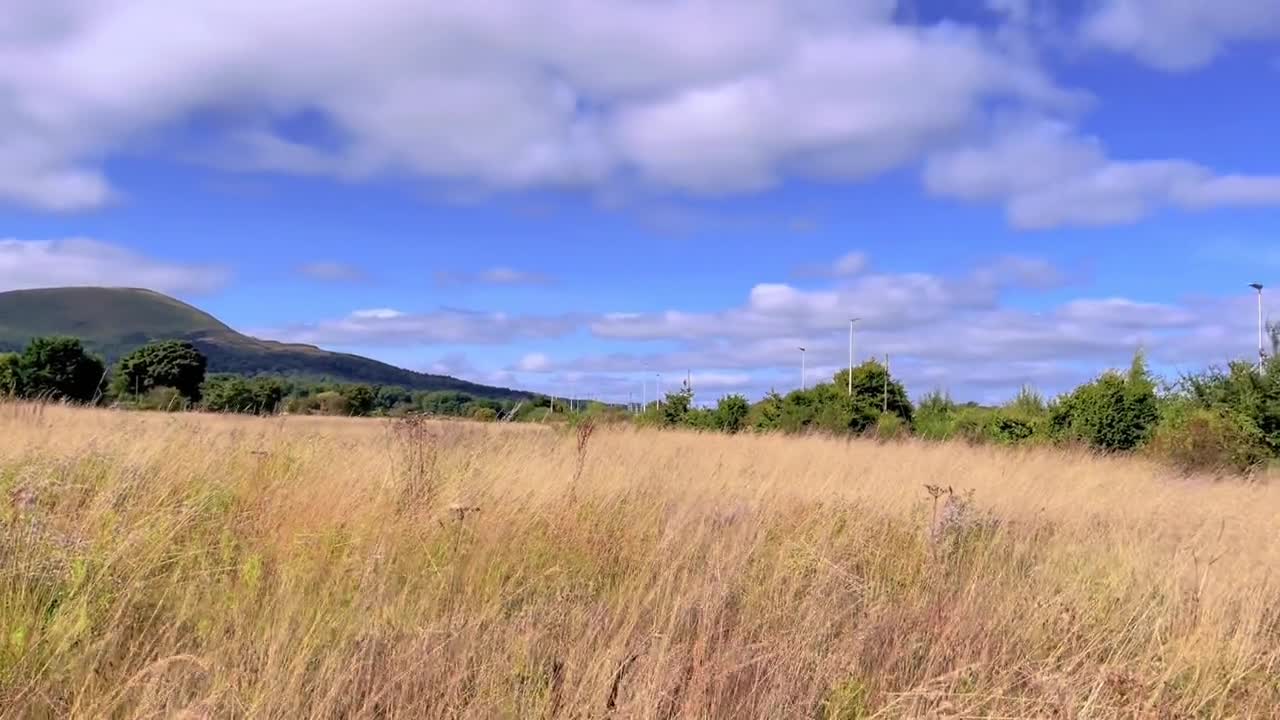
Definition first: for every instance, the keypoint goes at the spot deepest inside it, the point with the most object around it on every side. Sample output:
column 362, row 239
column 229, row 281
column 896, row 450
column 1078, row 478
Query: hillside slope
column 114, row 321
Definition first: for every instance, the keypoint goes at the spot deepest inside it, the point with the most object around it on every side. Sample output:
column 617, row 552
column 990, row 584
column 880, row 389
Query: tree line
column 171, row 375
column 1222, row 418
column 1219, row 419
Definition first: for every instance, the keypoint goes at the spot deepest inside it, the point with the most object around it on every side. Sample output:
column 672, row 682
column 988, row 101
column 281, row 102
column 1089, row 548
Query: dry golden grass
column 204, row 567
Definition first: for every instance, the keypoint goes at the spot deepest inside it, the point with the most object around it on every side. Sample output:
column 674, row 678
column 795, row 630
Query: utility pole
column 1262, row 355
column 885, row 408
column 802, row 378
column 657, row 389
column 851, row 322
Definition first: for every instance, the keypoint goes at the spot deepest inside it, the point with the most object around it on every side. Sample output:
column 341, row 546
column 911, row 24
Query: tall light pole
column 1261, row 353
column 851, row 322
column 802, row 369
column 657, row 392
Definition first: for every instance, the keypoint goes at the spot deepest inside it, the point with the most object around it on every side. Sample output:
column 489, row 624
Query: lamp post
column 851, row 322
column 1262, row 356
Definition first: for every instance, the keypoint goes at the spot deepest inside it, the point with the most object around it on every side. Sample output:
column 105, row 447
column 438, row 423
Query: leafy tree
column 231, row 393
column 169, row 363
column 361, row 399
column 874, row 391
column 10, row 375
column 731, row 413
column 676, row 407
column 390, row 397
column 445, row 402
column 59, row 368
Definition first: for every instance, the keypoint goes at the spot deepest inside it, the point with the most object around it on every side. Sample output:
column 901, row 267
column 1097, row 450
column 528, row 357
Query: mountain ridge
column 113, row 321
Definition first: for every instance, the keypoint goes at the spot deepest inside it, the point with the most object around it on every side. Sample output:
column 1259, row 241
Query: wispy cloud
column 333, row 272
column 89, row 262
column 447, row 326
column 495, row 276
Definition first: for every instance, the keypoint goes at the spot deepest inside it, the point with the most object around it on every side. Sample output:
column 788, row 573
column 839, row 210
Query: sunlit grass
column 155, row 565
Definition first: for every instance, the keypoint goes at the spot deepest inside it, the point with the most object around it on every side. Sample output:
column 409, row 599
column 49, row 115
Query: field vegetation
column 207, row 566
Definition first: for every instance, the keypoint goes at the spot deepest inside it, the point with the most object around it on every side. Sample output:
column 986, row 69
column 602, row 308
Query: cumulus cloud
column 391, row 327
column 1047, row 175
column 87, row 262
column 493, row 276
column 1179, row 34
column 958, row 332
column 881, row 300
column 708, row 96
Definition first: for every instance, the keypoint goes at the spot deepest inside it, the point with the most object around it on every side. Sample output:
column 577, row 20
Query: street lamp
column 851, row 322
column 1261, row 354
column 802, row 369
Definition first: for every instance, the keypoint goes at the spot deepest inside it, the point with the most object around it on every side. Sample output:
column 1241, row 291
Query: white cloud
column 87, row 262
column 377, row 314
column 777, row 310
column 389, row 327
column 958, row 332
column 534, row 362
column 493, row 276
column 333, row 272
column 704, row 95
column 1180, row 34
column 1047, row 175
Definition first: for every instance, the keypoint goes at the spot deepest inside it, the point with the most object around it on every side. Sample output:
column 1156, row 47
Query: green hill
column 114, row 321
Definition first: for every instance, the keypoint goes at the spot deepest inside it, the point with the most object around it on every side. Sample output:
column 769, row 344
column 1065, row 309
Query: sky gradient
column 575, row 195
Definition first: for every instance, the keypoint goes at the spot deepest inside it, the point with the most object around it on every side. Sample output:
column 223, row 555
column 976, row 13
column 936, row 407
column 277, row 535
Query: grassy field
column 203, row 567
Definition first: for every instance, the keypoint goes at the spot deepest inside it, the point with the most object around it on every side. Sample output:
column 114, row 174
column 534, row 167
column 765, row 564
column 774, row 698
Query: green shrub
column 1114, row 412
column 330, row 402
column 1008, row 428
column 10, row 375
column 484, row 414
column 1209, row 440
column 935, row 416
column 766, row 415
column 732, row 412
column 1241, row 389
column 890, row 427
column 232, row 393
column 164, row 399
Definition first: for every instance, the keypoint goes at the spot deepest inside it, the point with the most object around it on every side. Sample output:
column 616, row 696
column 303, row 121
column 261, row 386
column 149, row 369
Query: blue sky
column 578, row 195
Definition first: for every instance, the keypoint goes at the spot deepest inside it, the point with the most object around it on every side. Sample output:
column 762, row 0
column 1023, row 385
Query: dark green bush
column 1114, row 412
column 59, row 368
column 232, row 393
column 10, row 375
column 731, row 413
